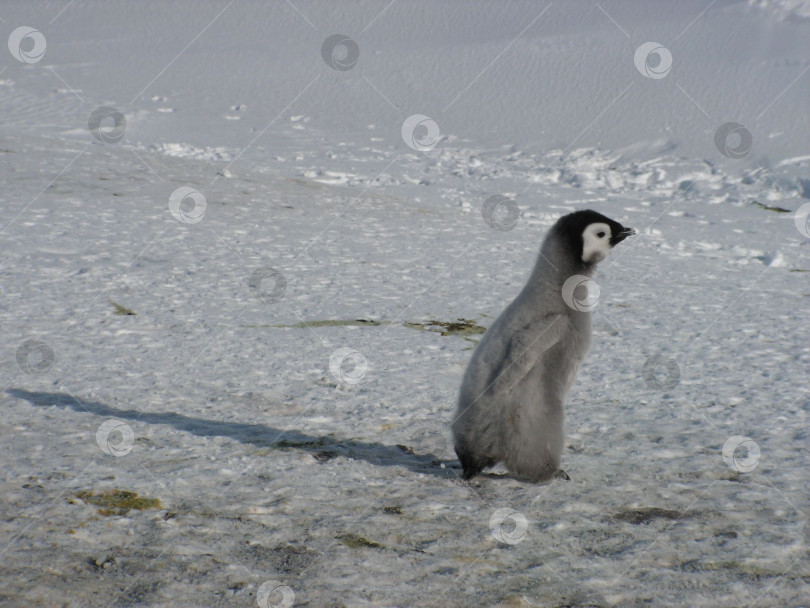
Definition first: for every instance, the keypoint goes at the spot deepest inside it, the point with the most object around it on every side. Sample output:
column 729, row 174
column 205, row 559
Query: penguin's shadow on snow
column 322, row 447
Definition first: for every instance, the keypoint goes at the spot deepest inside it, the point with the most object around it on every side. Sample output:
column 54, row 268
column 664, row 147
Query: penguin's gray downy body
column 510, row 407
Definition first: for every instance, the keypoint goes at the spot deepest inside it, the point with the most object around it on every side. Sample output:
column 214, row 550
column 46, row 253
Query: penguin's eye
column 600, row 234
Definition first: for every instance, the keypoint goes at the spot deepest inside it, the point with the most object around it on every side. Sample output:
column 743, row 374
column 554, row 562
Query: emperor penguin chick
column 510, row 407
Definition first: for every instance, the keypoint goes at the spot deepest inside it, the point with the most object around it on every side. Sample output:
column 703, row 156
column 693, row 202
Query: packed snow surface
column 247, row 252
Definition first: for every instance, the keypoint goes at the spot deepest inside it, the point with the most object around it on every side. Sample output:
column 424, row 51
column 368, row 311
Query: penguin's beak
column 622, row 234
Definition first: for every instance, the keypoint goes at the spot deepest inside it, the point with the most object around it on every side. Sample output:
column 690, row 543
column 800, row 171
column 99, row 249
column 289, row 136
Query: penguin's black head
column 589, row 236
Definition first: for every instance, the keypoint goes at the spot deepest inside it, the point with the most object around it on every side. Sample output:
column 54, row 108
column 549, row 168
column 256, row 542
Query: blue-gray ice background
column 269, row 466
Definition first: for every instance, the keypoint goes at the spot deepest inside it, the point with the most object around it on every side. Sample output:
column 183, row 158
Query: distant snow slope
column 252, row 306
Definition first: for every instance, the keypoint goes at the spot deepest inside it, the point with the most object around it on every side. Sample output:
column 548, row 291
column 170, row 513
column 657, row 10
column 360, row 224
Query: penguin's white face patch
column 595, row 242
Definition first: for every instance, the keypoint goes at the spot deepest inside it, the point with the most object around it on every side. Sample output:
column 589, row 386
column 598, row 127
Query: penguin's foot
column 560, row 474
column 472, row 464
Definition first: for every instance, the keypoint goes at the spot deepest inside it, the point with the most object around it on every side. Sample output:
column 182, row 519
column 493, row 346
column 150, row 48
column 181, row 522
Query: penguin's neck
column 556, row 264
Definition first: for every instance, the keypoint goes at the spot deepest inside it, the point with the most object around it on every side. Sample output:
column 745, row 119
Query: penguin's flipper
column 524, row 350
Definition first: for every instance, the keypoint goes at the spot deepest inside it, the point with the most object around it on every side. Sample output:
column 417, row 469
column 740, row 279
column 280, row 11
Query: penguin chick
column 510, row 407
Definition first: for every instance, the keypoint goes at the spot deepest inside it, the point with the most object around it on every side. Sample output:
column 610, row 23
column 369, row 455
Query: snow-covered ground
column 273, row 369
